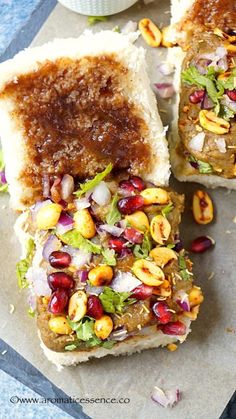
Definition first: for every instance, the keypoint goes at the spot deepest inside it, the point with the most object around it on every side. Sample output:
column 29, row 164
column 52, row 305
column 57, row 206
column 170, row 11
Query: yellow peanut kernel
column 77, row 306
column 150, row 32
column 172, row 347
column 162, row 255
column 48, row 216
column 213, row 123
column 155, row 196
column 148, row 272
column 138, row 220
column 84, row 223
column 203, row 212
column 59, row 325
column 101, row 275
column 160, row 229
column 195, row 296
column 103, row 327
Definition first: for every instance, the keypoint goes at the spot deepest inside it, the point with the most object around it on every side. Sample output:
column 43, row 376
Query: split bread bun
column 75, row 105
column 187, row 31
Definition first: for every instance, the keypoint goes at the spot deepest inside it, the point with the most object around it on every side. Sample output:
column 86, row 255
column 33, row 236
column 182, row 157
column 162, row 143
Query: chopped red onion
column 115, row 231
column 82, row 275
column 46, row 186
column 94, row 290
column 119, row 334
column 231, row 104
column 181, row 298
column 197, row 142
column 124, row 282
column 65, row 223
column 166, row 68
column 52, row 244
column 221, row 144
column 32, row 301
column 3, row 179
column 82, row 203
column 165, row 90
column 129, row 27
column 101, row 194
column 56, row 190
column 67, row 186
column 166, row 399
column 217, row 59
column 79, row 258
column 38, row 278
column 207, row 102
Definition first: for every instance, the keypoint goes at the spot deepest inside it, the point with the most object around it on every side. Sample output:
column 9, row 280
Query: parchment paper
column 203, row 368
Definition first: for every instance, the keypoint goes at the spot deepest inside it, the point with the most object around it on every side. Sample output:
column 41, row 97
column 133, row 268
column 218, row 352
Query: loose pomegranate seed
column 130, row 204
column 59, row 260
column 231, row 94
column 133, row 235
column 60, row 280
column 142, row 292
column 94, row 307
column 118, row 244
column 127, row 186
column 173, row 328
column 58, row 302
column 201, row 244
column 137, row 182
column 197, row 96
column 161, row 311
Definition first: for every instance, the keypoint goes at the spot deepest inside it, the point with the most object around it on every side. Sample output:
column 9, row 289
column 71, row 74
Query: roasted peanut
column 162, row 255
column 160, row 229
column 155, row 196
column 48, row 216
column 101, row 275
column 203, row 212
column 84, row 223
column 103, row 327
column 138, row 220
column 195, row 296
column 213, row 123
column 77, row 306
column 59, row 325
column 164, row 290
column 150, row 32
column 230, row 47
column 172, row 347
column 148, row 273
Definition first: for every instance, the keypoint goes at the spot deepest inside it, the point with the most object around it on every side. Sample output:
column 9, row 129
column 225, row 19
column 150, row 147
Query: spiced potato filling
column 208, row 105
column 107, row 262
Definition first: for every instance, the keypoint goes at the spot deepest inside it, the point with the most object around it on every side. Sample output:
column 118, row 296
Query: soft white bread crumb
column 148, row 338
column 179, row 8
column 88, row 44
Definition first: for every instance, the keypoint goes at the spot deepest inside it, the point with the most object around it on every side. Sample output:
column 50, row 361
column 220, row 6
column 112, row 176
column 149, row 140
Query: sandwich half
column 203, row 135
column 87, row 161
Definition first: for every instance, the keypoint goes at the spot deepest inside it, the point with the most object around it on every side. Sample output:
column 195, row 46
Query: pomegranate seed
column 173, row 328
column 231, row 94
column 58, row 302
column 133, row 235
column 130, row 204
column 161, row 311
column 201, row 244
column 142, row 292
column 60, row 280
column 127, row 186
column 197, row 96
column 59, row 260
column 118, row 244
column 137, row 183
column 94, row 307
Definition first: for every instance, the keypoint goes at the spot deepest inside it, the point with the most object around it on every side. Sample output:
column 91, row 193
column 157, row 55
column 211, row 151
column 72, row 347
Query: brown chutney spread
column 76, row 119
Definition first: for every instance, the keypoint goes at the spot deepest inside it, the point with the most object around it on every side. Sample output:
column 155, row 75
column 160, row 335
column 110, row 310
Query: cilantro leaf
column 170, row 245
column 115, row 302
column 3, row 186
column 86, row 330
column 71, row 347
column 167, row 209
column 192, row 76
column 183, row 268
column 226, row 113
column 108, row 344
column 90, row 184
column 114, row 214
column 109, row 257
column 92, row 20
column 116, row 29
column 141, row 251
column 227, row 83
column 203, row 167
column 31, row 312
column 23, row 265
column 75, row 239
